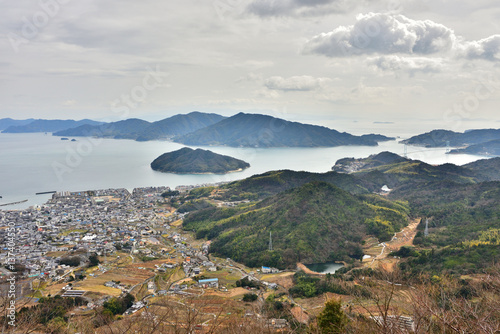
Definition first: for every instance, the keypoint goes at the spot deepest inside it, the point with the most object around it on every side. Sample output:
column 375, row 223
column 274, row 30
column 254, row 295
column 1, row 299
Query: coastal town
column 101, row 244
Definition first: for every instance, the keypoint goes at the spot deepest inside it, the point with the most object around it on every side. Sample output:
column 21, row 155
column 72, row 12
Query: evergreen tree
column 332, row 319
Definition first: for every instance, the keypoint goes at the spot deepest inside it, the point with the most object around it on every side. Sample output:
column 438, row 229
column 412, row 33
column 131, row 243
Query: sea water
column 38, row 162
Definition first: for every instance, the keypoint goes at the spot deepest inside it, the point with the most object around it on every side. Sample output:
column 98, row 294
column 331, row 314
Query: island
column 489, row 148
column 189, row 161
column 256, row 130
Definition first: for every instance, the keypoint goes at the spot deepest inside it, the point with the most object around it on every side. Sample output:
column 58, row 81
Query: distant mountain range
column 43, row 125
column 254, row 130
column 202, row 129
column 7, row 122
column 143, row 131
column 126, row 129
column 189, row 161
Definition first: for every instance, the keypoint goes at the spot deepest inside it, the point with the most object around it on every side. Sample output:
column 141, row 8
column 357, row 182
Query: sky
column 320, row 61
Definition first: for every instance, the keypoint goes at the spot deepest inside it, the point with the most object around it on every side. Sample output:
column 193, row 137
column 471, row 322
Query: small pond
column 325, row 268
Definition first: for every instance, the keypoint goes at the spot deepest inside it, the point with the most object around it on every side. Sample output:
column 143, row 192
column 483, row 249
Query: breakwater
column 19, row 202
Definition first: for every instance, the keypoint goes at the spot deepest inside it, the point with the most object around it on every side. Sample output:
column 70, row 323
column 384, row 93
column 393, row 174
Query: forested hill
column 254, row 130
column 315, row 222
column 189, row 161
column 301, row 208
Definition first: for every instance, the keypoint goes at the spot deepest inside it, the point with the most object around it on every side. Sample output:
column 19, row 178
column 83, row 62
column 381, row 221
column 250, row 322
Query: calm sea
column 31, row 163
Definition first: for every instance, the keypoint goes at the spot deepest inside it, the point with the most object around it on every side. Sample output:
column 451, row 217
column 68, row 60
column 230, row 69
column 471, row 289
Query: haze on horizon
column 317, row 61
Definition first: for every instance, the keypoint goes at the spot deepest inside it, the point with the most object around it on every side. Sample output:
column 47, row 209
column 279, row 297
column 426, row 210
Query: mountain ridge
column 141, row 130
column 44, row 125
column 257, row 130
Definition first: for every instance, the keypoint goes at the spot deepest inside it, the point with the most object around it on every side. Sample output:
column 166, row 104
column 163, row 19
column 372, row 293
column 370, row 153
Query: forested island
column 189, row 161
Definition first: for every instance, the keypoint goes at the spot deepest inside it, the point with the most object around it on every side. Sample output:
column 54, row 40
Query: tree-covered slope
column 271, row 183
column 189, row 161
column 485, row 169
column 315, row 222
column 254, row 130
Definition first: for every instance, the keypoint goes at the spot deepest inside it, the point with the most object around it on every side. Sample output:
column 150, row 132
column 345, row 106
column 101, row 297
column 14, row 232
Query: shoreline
column 206, row 173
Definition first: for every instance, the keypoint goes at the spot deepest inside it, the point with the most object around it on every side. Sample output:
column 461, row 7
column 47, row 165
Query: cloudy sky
column 314, row 60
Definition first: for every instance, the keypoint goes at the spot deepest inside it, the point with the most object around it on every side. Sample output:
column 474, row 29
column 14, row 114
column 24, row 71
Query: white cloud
column 384, row 34
column 295, row 83
column 407, row 64
column 486, row 48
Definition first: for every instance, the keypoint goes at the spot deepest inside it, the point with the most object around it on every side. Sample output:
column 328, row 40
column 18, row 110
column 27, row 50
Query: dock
column 19, row 202
column 46, row 192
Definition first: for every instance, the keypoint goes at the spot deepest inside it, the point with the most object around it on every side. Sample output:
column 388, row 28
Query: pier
column 19, row 202
column 46, row 192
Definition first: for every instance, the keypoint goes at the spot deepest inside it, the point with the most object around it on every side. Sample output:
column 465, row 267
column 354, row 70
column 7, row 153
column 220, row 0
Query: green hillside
column 315, row 222
column 271, row 183
column 485, row 169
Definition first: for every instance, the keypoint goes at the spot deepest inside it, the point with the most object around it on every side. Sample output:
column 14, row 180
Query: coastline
column 206, row 173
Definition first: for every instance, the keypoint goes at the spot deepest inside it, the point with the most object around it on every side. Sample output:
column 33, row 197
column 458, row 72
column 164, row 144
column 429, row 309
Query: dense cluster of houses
column 88, row 222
